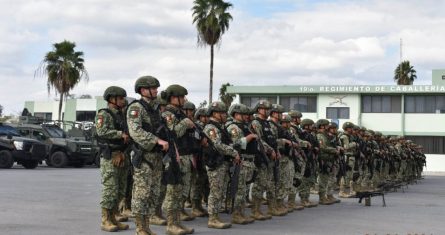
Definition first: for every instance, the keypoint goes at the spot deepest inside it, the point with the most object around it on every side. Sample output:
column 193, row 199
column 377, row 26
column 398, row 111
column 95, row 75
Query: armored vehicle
column 14, row 148
column 61, row 149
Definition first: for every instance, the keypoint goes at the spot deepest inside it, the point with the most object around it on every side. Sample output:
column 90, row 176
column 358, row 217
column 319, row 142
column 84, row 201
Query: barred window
column 424, row 104
column 381, row 104
column 306, row 104
column 337, row 112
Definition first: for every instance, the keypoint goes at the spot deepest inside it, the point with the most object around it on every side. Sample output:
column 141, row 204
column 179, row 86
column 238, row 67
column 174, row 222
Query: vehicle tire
column 97, row 160
column 59, row 159
column 6, row 159
column 30, row 164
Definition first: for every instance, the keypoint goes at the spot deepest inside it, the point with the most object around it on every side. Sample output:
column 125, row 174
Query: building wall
column 350, row 100
column 387, row 123
column 425, row 124
column 70, row 110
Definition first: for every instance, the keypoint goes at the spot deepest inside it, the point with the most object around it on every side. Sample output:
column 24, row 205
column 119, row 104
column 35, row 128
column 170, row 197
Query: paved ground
column 50, row 201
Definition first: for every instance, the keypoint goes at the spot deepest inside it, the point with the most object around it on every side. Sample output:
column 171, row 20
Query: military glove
column 118, row 160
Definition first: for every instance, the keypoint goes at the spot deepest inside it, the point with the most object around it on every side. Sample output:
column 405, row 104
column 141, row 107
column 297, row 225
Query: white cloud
column 340, row 42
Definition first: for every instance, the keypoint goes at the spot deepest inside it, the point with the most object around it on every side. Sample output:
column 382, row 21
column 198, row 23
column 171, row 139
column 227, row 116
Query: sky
column 269, row 42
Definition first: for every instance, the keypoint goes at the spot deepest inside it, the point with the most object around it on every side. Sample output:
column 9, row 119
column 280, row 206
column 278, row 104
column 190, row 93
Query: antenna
column 401, row 56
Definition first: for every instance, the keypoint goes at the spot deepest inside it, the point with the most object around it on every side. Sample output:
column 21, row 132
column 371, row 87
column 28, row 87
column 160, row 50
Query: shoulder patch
column 134, row 113
column 212, row 133
column 100, row 121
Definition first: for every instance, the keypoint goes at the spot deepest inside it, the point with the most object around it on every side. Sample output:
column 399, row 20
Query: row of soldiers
column 172, row 152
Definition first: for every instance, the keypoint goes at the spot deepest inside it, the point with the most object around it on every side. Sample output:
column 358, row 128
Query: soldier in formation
column 178, row 152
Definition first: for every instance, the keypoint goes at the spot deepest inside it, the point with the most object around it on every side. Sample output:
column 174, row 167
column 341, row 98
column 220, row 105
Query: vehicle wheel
column 97, row 160
column 59, row 159
column 30, row 164
column 6, row 159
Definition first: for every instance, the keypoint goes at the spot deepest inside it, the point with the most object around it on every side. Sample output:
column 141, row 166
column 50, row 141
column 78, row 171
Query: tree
column 85, row 96
column 1, row 110
column 226, row 98
column 64, row 68
column 212, row 21
column 405, row 74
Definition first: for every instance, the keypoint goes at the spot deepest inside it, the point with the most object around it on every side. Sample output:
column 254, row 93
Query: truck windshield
column 8, row 130
column 55, row 131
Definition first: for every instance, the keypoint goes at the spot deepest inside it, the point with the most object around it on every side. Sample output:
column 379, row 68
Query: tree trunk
column 60, row 106
column 211, row 75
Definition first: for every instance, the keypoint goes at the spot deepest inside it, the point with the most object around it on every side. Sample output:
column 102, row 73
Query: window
column 424, row 104
column 44, row 116
column 23, row 132
column 251, row 101
column 38, row 135
column 301, row 103
column 381, row 104
column 83, row 116
column 337, row 113
column 431, row 144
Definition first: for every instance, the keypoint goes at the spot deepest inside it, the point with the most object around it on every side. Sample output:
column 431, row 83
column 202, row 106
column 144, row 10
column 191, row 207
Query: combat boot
column 272, row 209
column 352, row 189
column 107, row 225
column 308, row 204
column 158, row 218
column 333, row 199
column 246, row 218
column 215, row 222
column 281, row 207
column 323, row 200
column 292, row 204
column 237, row 218
column 172, row 227
column 256, row 210
column 184, row 215
column 198, row 210
column 119, row 225
column 177, row 221
column 141, row 228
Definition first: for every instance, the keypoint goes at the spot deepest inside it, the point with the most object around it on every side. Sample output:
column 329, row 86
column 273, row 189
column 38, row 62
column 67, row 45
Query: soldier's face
column 238, row 117
column 263, row 112
column 190, row 113
column 151, row 92
column 246, row 117
column 285, row 124
column 177, row 100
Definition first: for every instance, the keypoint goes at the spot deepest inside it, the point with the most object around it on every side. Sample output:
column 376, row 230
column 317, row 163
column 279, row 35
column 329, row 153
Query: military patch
column 321, row 142
column 234, row 132
column 100, row 121
column 212, row 134
column 134, row 113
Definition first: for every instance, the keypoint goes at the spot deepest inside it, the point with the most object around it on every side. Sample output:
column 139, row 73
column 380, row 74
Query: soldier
column 296, row 159
column 334, row 142
column 246, row 146
column 218, row 163
column 113, row 139
column 157, row 218
column 184, row 130
column 286, row 147
column 310, row 169
column 262, row 128
column 327, row 155
column 144, row 118
column 200, row 189
column 350, row 148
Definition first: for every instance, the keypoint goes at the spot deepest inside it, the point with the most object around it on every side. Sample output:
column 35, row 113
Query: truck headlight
column 18, row 145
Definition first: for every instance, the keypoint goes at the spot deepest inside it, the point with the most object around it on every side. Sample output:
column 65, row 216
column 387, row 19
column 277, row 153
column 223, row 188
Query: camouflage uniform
column 218, row 175
column 327, row 156
column 350, row 148
column 113, row 163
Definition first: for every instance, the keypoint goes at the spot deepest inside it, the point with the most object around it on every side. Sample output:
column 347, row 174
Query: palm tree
column 64, row 68
column 405, row 74
column 226, row 98
column 212, row 21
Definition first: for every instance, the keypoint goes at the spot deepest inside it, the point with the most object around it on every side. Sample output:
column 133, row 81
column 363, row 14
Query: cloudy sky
column 297, row 42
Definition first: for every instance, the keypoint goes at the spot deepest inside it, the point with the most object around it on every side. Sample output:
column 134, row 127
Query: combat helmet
column 295, row 114
column 333, row 125
column 161, row 101
column 114, row 91
column 321, row 122
column 306, row 122
column 145, row 82
column 286, row 118
column 188, row 106
column 217, row 106
column 277, row 108
column 348, row 125
column 237, row 108
column 173, row 90
column 264, row 104
column 201, row 112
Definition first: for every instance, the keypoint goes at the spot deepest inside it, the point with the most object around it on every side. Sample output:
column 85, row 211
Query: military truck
column 14, row 148
column 60, row 148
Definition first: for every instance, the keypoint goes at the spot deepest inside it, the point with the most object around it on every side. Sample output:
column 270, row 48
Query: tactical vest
column 212, row 157
column 153, row 113
column 252, row 146
column 267, row 134
column 118, row 124
column 284, row 134
column 188, row 143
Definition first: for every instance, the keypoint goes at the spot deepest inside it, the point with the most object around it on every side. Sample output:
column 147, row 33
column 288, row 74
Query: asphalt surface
column 50, row 201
